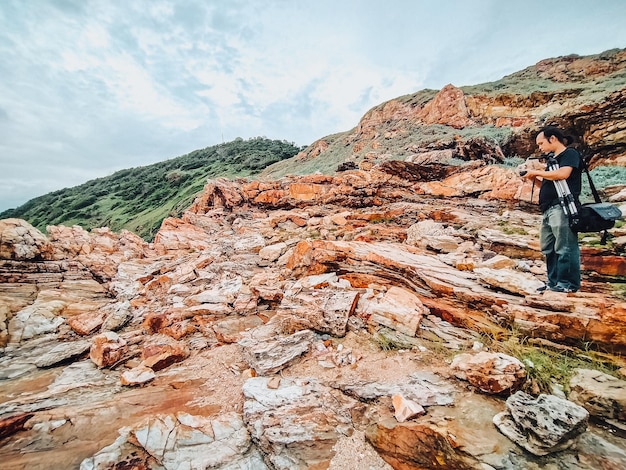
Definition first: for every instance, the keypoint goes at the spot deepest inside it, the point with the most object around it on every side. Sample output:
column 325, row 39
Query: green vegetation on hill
column 138, row 199
column 529, row 80
column 333, row 156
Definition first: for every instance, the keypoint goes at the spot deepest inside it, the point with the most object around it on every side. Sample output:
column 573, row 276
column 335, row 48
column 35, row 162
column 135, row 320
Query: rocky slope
column 584, row 95
column 340, row 322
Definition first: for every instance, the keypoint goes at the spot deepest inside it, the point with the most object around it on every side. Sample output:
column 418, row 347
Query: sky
column 89, row 87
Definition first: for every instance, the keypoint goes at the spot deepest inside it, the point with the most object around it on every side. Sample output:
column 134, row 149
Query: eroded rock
column 268, row 356
column 107, row 349
column 296, row 424
column 182, row 439
column 326, row 310
column 542, row 425
column 416, row 445
column 490, row 372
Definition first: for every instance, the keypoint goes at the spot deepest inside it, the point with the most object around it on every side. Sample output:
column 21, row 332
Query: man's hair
column 553, row 131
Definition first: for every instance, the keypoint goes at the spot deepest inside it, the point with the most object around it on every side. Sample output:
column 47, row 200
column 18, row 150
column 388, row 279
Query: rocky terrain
column 384, row 315
column 311, row 322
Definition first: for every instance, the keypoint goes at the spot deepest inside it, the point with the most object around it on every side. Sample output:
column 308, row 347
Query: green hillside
column 138, row 199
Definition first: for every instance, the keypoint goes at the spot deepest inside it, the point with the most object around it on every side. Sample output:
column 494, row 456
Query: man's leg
column 546, row 240
column 567, row 252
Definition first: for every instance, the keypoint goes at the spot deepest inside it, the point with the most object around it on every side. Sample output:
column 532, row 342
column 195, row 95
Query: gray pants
column 560, row 247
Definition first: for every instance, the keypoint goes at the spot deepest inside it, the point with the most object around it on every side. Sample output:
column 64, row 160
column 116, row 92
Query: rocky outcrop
column 448, row 108
column 286, row 320
column 584, row 95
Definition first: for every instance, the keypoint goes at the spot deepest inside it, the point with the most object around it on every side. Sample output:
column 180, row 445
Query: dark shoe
column 561, row 289
column 544, row 288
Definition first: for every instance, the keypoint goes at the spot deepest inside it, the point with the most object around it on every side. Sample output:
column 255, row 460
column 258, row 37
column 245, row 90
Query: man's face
column 544, row 144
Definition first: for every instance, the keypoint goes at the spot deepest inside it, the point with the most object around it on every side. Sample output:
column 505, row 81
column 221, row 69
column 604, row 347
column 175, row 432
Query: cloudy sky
column 89, row 87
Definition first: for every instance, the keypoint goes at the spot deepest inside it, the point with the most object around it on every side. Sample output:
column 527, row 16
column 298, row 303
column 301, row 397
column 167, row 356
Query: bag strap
column 585, row 168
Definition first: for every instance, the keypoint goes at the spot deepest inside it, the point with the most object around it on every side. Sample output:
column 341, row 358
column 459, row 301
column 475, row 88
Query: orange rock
column 12, row 424
column 305, row 192
column 155, row 322
column 406, row 409
column 178, row 330
column 86, row 323
column 107, row 349
column 490, row 372
column 407, row 446
column 270, row 198
column 299, row 221
column 610, row 265
column 160, row 356
column 176, row 234
column 448, row 107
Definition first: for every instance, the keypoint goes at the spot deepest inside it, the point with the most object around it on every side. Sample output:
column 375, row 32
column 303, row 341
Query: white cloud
column 97, row 86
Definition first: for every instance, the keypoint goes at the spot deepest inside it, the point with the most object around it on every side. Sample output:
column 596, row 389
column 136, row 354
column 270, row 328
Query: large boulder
column 19, row 240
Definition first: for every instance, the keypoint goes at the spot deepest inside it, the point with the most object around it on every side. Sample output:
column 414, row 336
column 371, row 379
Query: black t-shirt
column 547, row 194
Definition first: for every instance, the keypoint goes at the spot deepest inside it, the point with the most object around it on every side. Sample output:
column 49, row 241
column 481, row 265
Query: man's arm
column 553, row 175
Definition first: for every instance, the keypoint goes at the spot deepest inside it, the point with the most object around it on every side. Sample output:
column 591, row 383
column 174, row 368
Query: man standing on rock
column 558, row 243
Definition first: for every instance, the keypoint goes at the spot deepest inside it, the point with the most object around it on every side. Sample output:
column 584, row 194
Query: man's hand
column 531, row 169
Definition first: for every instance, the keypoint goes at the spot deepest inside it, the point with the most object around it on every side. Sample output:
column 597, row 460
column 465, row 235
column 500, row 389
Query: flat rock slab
column 63, row 352
column 182, row 441
column 424, row 388
column 296, row 424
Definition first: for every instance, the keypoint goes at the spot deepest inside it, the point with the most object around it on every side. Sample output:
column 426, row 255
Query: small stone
column 273, row 383
column 248, row 373
column 406, row 409
column 137, row 376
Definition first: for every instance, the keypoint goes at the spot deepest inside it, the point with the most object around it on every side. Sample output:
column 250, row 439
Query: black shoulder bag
column 596, row 216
